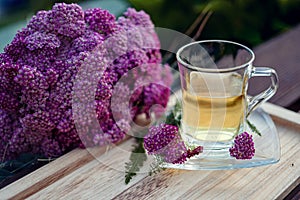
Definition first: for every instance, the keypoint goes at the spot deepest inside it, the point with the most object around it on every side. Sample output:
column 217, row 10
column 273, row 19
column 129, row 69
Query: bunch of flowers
column 38, row 70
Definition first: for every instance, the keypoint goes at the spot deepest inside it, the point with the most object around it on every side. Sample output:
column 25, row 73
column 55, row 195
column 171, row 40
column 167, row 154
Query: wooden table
column 77, row 175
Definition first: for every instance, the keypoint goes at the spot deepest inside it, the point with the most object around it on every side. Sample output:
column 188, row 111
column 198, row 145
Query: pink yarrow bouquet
column 39, row 67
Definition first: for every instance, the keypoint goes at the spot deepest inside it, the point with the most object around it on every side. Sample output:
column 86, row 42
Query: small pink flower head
column 163, row 140
column 243, row 147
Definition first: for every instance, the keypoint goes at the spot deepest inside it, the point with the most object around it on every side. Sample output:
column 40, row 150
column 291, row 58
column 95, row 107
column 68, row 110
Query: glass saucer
column 267, row 149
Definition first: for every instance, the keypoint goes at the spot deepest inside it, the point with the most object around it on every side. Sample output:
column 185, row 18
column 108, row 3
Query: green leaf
column 174, row 117
column 253, row 128
column 137, row 158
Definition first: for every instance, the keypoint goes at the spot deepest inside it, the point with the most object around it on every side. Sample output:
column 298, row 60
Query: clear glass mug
column 214, row 80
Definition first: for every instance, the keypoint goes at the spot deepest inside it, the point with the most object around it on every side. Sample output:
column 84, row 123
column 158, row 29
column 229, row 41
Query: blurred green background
column 247, row 21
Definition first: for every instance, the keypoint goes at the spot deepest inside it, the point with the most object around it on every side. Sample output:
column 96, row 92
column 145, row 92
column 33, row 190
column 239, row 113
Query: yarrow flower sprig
column 243, row 147
column 164, row 141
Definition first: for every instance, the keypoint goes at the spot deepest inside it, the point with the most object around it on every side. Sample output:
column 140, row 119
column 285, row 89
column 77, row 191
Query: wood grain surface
column 78, row 175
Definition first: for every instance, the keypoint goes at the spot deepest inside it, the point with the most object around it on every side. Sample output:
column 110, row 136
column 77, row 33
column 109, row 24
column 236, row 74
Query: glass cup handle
column 268, row 93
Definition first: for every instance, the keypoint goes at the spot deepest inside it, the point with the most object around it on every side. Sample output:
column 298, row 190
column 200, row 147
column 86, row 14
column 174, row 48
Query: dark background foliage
column 247, row 21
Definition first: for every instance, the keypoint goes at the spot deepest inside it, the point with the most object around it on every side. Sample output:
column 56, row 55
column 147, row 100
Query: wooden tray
column 77, row 175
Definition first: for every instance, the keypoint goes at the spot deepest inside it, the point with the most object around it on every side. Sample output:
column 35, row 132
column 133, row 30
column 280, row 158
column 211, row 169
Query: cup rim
column 214, row 70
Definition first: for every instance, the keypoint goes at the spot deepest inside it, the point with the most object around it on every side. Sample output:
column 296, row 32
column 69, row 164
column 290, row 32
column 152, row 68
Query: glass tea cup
column 214, row 80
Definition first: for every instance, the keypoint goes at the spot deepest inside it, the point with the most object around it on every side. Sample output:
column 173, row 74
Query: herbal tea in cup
column 215, row 115
column 214, row 80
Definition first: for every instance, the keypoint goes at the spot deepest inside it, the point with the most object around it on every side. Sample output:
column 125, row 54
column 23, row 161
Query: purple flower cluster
column 243, row 147
column 100, row 21
column 40, row 67
column 164, row 141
